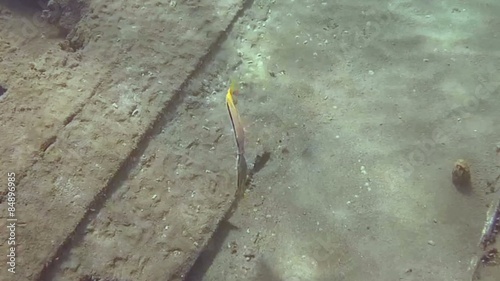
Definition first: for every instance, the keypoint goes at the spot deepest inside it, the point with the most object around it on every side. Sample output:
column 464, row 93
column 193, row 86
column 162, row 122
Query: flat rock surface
column 72, row 116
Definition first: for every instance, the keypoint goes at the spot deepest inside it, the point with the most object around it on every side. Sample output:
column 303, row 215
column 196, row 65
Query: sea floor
column 355, row 112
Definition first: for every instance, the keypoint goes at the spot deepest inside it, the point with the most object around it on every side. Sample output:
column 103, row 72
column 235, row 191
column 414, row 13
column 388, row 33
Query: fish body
column 239, row 136
column 239, row 132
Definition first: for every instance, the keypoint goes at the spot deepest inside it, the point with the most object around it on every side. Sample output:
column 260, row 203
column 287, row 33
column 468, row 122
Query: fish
column 239, row 135
column 234, row 116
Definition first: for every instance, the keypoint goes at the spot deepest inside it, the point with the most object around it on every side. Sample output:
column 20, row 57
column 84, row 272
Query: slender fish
column 239, row 133
column 239, row 136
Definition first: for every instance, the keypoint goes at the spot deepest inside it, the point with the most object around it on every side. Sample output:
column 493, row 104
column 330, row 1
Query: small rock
column 233, row 246
column 430, row 242
column 461, row 176
column 249, row 256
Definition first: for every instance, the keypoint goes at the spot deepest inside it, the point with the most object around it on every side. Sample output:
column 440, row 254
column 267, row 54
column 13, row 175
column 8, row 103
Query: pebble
column 363, row 170
column 430, row 242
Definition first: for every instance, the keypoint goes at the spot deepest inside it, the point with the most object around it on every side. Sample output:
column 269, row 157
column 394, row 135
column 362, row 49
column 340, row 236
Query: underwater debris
column 488, row 250
column 490, row 257
column 491, row 226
